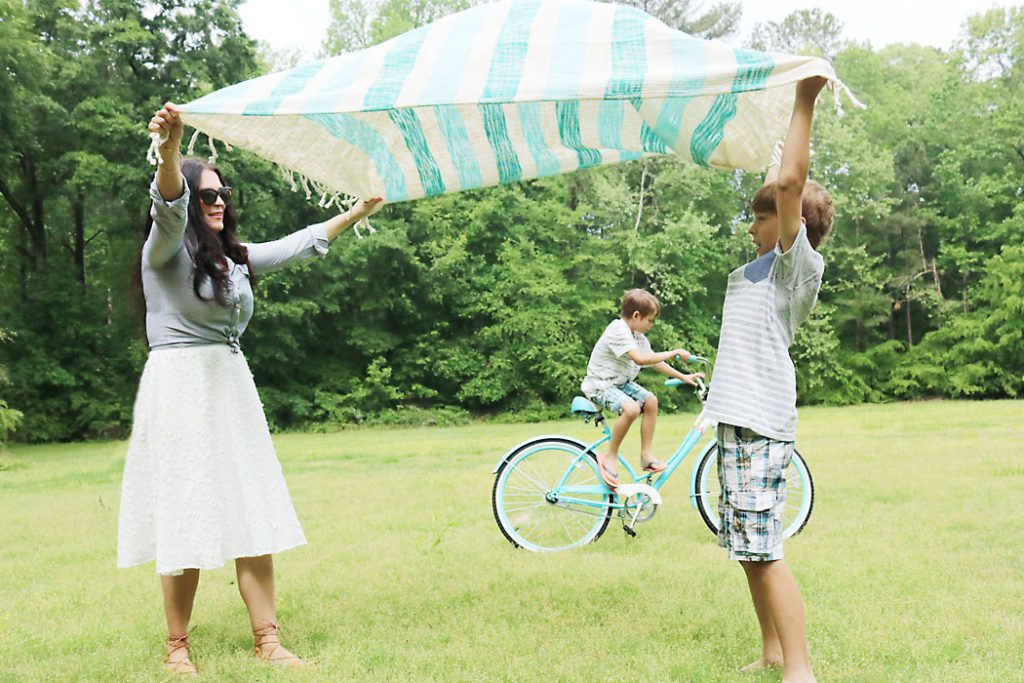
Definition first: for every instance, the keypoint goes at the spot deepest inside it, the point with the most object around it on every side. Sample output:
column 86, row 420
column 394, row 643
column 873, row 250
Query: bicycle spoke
column 527, row 507
column 568, row 534
column 530, row 518
column 538, row 486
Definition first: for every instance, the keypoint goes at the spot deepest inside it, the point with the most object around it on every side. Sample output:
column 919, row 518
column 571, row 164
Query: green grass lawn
column 912, row 566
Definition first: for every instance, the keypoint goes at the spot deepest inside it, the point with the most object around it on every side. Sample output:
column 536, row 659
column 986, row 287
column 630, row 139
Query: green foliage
column 720, row 20
column 979, row 353
column 356, row 24
column 807, row 31
column 489, row 302
column 9, row 417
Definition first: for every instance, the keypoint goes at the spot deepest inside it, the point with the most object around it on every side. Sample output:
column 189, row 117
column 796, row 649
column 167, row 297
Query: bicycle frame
column 692, row 437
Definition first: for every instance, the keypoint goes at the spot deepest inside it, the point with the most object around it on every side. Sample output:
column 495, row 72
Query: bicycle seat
column 584, row 408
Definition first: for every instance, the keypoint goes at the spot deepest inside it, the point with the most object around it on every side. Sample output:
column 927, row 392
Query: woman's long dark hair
column 208, row 247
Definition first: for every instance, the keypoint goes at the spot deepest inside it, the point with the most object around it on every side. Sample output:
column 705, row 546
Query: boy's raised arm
column 796, row 158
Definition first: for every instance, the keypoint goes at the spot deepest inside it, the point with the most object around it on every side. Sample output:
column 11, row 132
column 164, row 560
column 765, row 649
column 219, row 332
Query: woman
column 202, row 483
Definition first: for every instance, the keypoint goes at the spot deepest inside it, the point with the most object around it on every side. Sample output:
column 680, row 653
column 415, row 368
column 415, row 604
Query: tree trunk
column 31, row 218
column 910, row 330
column 924, row 262
column 640, row 209
column 78, row 212
column 37, row 234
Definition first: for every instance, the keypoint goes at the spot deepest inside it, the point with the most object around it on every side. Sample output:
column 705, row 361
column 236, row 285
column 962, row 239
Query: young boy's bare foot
column 761, row 664
column 608, row 474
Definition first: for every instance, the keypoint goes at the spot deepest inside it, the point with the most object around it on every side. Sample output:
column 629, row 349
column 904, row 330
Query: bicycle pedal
column 629, row 531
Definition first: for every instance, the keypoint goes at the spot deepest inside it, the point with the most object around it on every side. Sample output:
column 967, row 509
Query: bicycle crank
column 639, row 503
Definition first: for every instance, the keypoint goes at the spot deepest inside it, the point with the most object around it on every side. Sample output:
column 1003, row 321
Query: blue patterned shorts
column 752, row 474
column 613, row 398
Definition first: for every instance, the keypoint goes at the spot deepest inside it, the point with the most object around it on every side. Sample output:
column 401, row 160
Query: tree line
column 488, row 302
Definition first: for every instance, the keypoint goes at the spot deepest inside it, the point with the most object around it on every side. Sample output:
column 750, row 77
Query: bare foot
column 761, row 664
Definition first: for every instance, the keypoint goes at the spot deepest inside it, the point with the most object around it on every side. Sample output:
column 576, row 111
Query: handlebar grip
column 673, row 382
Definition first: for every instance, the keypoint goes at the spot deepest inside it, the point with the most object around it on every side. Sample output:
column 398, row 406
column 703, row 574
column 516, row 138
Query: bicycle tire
column 566, row 450
column 706, row 500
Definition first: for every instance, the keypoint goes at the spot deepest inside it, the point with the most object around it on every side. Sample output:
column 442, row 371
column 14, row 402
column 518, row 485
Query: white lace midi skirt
column 202, row 484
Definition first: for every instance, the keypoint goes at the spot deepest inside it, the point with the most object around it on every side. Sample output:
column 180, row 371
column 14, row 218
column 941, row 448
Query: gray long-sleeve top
column 175, row 316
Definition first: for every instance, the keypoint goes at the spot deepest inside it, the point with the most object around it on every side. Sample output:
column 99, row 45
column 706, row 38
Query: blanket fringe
column 837, row 87
column 153, row 153
column 192, row 143
column 328, row 196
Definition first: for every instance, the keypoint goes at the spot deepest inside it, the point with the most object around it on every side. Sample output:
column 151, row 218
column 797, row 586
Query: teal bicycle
column 548, row 494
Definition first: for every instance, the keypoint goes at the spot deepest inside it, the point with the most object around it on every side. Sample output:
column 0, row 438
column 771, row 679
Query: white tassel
column 153, row 153
column 305, row 186
column 323, row 201
column 192, row 143
column 365, row 223
column 290, row 177
column 213, row 150
column 836, row 86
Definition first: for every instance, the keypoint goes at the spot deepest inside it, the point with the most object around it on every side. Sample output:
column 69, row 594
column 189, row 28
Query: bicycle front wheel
column 549, row 496
column 799, row 492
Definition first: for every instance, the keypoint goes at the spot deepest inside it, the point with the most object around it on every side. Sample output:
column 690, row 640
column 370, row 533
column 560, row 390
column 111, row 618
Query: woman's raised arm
column 167, row 122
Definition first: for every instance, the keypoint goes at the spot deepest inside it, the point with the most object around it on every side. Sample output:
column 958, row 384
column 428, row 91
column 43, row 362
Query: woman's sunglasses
column 209, row 196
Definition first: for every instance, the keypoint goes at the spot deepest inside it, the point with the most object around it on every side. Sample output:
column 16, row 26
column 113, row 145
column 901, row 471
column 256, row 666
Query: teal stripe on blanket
column 216, row 102
column 509, row 168
column 649, row 140
column 456, row 139
column 509, row 53
column 689, row 55
column 610, row 117
column 563, row 77
column 395, row 70
column 569, row 132
column 426, row 165
column 342, row 76
column 533, row 132
column 628, row 54
column 291, row 84
column 752, row 71
column 445, row 77
column 366, row 138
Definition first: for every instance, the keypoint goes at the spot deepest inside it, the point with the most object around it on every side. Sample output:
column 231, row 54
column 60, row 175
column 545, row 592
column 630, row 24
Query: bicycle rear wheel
column 799, row 492
column 548, row 496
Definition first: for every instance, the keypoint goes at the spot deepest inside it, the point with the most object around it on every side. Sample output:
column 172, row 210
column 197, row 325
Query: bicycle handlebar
column 701, row 387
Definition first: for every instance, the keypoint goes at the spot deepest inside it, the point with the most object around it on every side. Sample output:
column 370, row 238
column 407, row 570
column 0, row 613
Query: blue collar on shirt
column 758, row 269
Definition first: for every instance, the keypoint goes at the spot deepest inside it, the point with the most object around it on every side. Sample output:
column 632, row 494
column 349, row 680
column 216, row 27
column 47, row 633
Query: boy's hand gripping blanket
column 505, row 92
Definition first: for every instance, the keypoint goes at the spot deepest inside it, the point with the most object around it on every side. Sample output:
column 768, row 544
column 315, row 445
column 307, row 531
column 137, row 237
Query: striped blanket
column 510, row 91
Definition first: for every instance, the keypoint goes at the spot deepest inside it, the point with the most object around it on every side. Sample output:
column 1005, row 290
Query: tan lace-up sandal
column 179, row 664
column 269, row 648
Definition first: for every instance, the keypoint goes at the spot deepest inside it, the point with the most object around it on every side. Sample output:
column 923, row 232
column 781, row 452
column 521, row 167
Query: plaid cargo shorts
column 752, row 474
